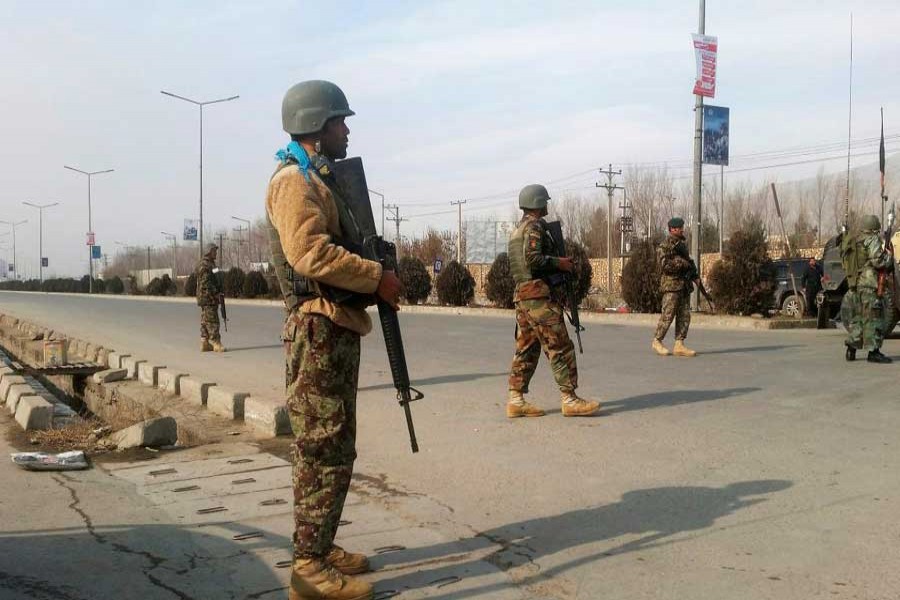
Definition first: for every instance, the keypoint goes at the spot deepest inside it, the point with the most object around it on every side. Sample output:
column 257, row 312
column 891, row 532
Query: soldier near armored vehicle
column 326, row 289
column 536, row 268
column 862, row 309
column 677, row 276
column 209, row 297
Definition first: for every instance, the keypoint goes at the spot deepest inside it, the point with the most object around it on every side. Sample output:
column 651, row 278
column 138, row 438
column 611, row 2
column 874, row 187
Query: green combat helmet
column 309, row 104
column 533, row 196
column 870, row 223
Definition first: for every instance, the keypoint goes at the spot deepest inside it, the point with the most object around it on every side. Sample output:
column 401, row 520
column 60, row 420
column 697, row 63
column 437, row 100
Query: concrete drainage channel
column 120, row 388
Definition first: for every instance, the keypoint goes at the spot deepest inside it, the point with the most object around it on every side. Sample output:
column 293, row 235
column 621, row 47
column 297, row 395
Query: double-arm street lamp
column 201, row 105
column 41, row 208
column 90, row 223
column 13, row 225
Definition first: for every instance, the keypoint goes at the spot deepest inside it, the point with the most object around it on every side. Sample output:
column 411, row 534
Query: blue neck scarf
column 295, row 153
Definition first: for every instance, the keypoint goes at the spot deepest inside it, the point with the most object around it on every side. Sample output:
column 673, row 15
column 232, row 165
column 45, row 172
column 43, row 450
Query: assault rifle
column 694, row 276
column 219, row 274
column 554, row 228
column 889, row 247
column 223, row 311
column 351, row 179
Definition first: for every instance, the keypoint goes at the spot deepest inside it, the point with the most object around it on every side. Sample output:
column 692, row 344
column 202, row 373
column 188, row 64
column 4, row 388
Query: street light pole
column 90, row 225
column 13, row 225
column 174, row 239
column 41, row 208
column 201, row 105
column 249, row 239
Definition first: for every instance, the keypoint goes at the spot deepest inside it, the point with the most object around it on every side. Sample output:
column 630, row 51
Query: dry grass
column 80, row 435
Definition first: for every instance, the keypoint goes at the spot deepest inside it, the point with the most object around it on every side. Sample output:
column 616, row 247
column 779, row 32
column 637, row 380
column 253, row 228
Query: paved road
column 765, row 468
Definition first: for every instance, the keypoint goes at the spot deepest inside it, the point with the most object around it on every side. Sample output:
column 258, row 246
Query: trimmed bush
column 233, row 282
column 500, row 287
column 640, row 279
column 455, row 285
column 190, row 285
column 742, row 282
column 115, row 285
column 415, row 279
column 255, row 285
column 155, row 287
column 584, row 272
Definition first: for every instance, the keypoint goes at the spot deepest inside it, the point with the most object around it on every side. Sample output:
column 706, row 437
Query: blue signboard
column 96, row 253
column 438, row 264
column 191, row 226
column 45, row 262
column 715, row 135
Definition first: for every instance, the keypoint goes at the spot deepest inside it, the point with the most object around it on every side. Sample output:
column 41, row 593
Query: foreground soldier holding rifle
column 330, row 267
column 537, row 266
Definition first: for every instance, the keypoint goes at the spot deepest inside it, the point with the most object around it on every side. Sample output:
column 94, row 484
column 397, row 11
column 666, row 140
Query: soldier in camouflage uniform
column 862, row 308
column 677, row 274
column 536, row 267
column 326, row 289
column 209, row 296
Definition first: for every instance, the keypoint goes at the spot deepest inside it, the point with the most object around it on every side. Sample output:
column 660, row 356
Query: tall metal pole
column 698, row 171
column 41, row 208
column 201, row 105
column 249, row 238
column 13, row 225
column 90, row 223
column 610, row 189
column 459, row 257
column 722, row 211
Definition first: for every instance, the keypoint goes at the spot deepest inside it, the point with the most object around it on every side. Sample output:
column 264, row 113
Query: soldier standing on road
column 209, row 296
column 326, row 289
column 812, row 283
column 862, row 309
column 536, row 267
column 677, row 274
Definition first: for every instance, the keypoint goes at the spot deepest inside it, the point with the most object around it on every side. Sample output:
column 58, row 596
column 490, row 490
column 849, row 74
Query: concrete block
column 110, row 375
column 170, row 380
column 115, row 360
column 90, row 352
column 194, row 390
column 34, row 412
column 267, row 415
column 6, row 370
column 148, row 374
column 16, row 393
column 224, row 402
column 7, row 382
column 162, row 431
column 131, row 365
column 103, row 356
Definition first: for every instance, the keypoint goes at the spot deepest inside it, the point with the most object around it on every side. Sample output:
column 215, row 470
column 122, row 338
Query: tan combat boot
column 218, row 347
column 314, row 579
column 658, row 347
column 516, row 406
column 348, row 563
column 681, row 350
column 204, row 345
column 573, row 406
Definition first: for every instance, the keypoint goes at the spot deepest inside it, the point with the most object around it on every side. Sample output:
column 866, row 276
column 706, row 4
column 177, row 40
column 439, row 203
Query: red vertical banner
column 706, row 48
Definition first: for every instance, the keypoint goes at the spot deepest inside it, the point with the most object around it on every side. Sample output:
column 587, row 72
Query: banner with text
column 715, row 135
column 705, row 49
column 191, row 227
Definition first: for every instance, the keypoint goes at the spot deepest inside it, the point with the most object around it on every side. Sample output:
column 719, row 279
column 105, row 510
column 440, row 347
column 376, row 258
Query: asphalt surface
column 764, row 468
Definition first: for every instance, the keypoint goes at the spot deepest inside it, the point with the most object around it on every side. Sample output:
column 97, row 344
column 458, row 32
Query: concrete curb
column 225, row 403
column 34, row 413
column 195, row 390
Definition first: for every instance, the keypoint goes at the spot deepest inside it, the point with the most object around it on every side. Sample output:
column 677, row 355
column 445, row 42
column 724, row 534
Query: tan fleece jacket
column 305, row 216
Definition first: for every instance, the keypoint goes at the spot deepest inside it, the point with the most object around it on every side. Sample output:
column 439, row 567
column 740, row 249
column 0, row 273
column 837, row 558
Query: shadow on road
column 654, row 516
column 752, row 349
column 672, row 398
column 440, row 379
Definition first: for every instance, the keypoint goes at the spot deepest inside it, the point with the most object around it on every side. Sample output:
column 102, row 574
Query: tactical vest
column 518, row 266
column 297, row 289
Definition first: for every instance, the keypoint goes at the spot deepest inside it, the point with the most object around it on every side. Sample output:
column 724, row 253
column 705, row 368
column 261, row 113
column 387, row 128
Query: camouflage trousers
column 540, row 324
column 322, row 370
column 209, row 323
column 675, row 306
column 862, row 313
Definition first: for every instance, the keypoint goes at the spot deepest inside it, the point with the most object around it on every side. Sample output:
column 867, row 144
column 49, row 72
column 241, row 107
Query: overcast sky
column 453, row 99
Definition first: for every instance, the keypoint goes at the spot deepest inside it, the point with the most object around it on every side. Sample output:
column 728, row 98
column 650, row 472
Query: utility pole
column 396, row 218
column 148, row 261
column 90, row 226
column 240, row 242
column 459, row 257
column 174, row 239
column 249, row 238
column 13, row 225
column 698, row 172
column 221, row 248
column 41, row 208
column 610, row 189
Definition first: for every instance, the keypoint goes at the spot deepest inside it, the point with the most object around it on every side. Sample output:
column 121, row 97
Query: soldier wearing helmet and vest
column 862, row 309
column 536, row 265
column 677, row 276
column 326, row 289
column 209, row 297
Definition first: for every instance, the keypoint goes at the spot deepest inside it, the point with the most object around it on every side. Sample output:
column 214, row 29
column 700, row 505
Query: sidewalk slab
column 224, row 402
column 34, row 413
column 267, row 415
column 110, row 375
column 195, row 390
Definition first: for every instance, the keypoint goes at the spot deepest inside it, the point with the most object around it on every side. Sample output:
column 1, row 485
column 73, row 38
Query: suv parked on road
column 784, row 298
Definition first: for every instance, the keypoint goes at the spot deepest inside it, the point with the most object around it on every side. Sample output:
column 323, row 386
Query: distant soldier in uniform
column 209, row 296
column 536, row 266
column 326, row 289
column 862, row 309
column 677, row 274
column 812, row 283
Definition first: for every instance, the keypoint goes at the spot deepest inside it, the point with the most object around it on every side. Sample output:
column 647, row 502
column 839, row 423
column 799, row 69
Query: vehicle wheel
column 822, row 316
column 793, row 306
